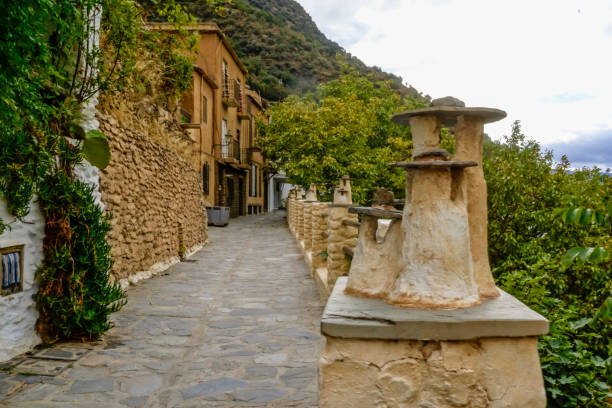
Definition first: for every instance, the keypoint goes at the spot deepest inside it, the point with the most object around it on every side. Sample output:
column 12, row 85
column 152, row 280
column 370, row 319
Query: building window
column 260, row 180
column 204, row 109
column 205, row 178
column 12, row 270
column 225, row 80
column 185, row 116
column 253, row 192
column 224, row 139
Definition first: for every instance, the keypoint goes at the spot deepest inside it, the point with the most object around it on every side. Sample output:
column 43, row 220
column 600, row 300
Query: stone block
column 484, row 373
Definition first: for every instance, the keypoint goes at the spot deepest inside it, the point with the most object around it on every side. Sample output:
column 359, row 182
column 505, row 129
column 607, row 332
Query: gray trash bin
column 218, row 216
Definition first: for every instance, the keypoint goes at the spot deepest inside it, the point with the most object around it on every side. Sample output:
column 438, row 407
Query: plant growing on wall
column 50, row 65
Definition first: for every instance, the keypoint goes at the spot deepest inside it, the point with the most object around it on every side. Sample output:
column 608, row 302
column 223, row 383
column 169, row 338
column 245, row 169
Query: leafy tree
column 345, row 128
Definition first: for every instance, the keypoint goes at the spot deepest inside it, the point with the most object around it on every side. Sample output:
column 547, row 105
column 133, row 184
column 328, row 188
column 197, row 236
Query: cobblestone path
column 237, row 325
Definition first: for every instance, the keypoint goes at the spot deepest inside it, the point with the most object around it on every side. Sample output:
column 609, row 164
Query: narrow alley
column 236, row 325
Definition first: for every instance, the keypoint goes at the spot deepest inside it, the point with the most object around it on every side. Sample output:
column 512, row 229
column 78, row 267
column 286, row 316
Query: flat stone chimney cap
column 448, row 114
column 448, row 101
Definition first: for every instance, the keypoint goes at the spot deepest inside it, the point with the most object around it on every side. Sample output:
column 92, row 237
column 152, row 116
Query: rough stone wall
column 308, row 225
column 299, row 213
column 155, row 196
column 340, row 235
column 320, row 212
column 491, row 372
column 294, row 216
column 18, row 310
column 290, row 205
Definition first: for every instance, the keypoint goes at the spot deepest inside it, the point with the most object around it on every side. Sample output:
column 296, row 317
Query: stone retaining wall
column 156, row 200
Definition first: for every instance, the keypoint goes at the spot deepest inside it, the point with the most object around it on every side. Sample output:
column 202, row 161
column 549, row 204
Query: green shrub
column 75, row 296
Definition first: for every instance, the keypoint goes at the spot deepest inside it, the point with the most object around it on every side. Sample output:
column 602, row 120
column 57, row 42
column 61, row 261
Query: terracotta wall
column 153, row 194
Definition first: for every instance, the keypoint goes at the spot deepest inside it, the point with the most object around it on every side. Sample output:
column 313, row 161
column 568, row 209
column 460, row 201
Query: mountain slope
column 282, row 47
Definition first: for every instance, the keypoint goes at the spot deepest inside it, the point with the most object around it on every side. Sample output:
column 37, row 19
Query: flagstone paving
column 237, row 325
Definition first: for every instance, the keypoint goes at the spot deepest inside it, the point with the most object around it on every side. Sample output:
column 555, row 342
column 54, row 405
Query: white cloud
column 546, row 62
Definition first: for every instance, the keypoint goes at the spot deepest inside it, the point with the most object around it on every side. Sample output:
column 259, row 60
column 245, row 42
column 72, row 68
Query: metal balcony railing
column 232, row 94
column 228, row 150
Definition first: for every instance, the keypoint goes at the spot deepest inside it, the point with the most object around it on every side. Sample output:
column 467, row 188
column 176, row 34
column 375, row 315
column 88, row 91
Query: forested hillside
column 282, row 47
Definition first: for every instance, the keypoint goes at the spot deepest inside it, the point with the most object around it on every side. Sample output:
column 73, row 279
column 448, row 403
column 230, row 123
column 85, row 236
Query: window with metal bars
column 253, row 192
column 185, row 116
column 12, row 270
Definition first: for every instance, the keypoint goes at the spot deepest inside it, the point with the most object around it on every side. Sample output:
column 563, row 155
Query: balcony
column 232, row 95
column 228, row 151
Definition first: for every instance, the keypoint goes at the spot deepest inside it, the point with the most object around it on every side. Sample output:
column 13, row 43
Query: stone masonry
column 308, row 225
column 299, row 211
column 320, row 213
column 483, row 373
column 151, row 228
column 340, row 235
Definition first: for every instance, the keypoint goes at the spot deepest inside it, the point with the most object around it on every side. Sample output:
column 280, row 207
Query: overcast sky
column 547, row 63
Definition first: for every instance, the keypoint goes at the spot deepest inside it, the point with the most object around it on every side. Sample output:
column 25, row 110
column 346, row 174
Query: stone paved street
column 237, row 325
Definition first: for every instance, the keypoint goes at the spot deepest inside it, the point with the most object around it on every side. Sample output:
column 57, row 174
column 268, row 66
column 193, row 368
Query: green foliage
column 588, row 217
column 75, row 296
column 346, row 129
column 96, row 149
column 527, row 242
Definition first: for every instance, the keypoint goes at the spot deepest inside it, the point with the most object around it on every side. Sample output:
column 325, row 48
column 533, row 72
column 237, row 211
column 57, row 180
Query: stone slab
column 68, row 353
column 42, row 367
column 433, row 164
column 448, row 114
column 367, row 318
column 376, row 212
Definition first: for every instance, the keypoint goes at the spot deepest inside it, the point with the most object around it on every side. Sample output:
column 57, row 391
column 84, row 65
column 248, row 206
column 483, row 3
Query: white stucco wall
column 86, row 172
column 18, row 312
column 275, row 198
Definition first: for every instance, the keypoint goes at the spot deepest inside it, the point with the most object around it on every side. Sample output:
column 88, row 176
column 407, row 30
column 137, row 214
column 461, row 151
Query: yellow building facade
column 219, row 113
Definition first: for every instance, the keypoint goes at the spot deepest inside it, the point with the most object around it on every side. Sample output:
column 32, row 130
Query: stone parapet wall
column 320, row 213
column 288, row 205
column 308, row 225
column 340, row 235
column 483, row 373
column 299, row 225
column 155, row 197
column 322, row 237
